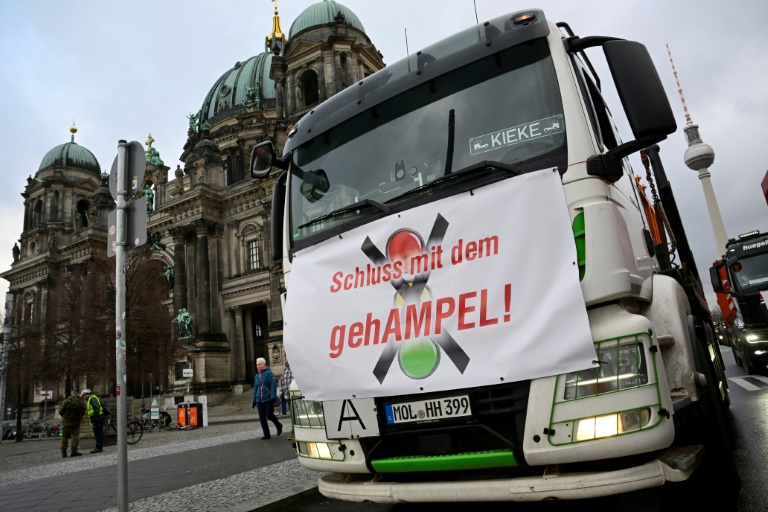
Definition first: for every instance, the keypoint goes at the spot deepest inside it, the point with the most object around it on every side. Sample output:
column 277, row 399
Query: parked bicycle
column 165, row 422
column 134, row 429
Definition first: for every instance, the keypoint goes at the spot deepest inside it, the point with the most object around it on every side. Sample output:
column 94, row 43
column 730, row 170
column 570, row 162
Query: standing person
column 285, row 384
column 71, row 411
column 96, row 414
column 264, row 395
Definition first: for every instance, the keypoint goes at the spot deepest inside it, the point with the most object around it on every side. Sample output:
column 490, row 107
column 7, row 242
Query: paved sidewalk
column 223, row 466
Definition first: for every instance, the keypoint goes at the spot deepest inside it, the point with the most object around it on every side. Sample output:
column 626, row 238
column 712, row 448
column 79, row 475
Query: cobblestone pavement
column 222, row 465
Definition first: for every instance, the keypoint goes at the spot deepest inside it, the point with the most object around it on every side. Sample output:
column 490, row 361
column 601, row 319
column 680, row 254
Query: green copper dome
column 71, row 155
column 323, row 13
column 232, row 88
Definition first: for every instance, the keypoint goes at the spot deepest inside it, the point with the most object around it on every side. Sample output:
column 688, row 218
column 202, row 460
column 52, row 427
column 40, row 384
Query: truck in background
column 743, row 274
column 477, row 308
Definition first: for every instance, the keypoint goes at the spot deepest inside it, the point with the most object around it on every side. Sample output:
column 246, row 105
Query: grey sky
column 122, row 70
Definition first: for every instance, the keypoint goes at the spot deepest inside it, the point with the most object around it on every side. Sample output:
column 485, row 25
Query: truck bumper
column 673, row 465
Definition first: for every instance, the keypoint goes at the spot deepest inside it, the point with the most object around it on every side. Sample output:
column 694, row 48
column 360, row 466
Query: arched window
column 309, row 88
column 251, row 237
column 82, row 213
column 37, row 214
column 29, row 308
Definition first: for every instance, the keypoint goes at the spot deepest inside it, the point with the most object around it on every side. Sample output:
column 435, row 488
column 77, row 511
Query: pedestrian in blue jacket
column 264, row 396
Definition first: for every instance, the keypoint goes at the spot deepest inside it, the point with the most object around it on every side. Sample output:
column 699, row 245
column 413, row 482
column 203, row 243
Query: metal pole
column 120, row 335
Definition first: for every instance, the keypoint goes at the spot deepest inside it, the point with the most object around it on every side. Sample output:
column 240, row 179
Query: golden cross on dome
column 150, row 140
column 275, row 2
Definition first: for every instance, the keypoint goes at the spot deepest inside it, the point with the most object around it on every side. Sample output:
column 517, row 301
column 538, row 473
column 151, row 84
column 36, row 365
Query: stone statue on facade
column 200, row 170
column 149, row 194
column 168, row 271
column 16, row 253
column 179, row 174
column 156, row 245
column 252, row 95
column 184, row 321
column 52, row 241
column 153, row 157
column 192, row 122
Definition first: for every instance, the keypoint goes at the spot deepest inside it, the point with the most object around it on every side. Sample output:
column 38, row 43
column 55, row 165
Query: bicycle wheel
column 134, row 433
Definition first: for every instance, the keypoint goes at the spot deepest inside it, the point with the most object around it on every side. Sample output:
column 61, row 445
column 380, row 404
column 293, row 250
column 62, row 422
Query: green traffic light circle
column 419, row 358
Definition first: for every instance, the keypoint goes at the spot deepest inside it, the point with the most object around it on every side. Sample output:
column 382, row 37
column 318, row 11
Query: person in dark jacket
column 71, row 411
column 264, row 396
column 96, row 414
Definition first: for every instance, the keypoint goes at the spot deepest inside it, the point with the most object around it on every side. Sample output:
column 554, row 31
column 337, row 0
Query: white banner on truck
column 473, row 290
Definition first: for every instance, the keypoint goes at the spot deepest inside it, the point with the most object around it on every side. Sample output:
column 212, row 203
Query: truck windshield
column 504, row 108
column 754, row 271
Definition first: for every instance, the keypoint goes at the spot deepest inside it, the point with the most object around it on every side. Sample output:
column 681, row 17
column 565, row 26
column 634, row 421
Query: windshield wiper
column 350, row 207
column 485, row 164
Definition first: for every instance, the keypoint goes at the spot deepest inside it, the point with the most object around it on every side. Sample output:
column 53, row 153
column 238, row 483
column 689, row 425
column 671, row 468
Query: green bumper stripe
column 471, row 460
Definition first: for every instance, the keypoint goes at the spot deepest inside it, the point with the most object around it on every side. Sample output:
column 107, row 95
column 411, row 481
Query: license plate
column 428, row 410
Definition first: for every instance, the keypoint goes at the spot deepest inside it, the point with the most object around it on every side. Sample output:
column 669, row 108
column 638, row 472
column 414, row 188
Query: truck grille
column 497, row 423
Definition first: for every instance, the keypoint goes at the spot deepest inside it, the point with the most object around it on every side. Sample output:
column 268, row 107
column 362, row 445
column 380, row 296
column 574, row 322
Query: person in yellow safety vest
column 96, row 414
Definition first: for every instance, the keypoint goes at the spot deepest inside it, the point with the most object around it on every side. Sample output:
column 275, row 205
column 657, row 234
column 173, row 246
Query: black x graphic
column 411, row 294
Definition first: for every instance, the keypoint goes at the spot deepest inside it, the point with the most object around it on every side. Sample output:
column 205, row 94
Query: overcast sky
column 122, row 70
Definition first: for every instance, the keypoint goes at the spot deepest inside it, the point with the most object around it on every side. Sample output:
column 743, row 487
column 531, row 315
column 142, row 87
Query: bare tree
column 150, row 346
column 25, row 355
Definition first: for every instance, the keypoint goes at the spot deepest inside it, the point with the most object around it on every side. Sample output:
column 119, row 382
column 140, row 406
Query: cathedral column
column 202, row 278
column 217, row 232
column 237, row 344
column 321, row 78
column 360, row 70
column 280, row 100
column 232, row 247
column 290, row 101
column 349, row 69
column 231, row 336
column 330, row 88
column 337, row 71
column 179, row 269
column 250, row 363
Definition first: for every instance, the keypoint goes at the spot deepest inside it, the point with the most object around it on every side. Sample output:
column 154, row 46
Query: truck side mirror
column 640, row 89
column 714, row 276
column 642, row 95
column 263, row 158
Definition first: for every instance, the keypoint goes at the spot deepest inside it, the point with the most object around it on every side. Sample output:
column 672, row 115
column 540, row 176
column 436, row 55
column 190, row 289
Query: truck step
column 683, row 457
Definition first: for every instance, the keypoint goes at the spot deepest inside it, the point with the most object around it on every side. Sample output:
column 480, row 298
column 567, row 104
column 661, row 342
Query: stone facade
column 209, row 221
column 214, row 221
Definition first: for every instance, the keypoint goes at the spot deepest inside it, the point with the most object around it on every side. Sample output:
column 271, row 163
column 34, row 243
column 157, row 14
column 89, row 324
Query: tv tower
column 699, row 157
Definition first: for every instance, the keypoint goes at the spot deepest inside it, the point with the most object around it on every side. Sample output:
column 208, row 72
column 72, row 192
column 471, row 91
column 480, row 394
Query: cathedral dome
column 71, row 155
column 232, row 89
column 323, row 13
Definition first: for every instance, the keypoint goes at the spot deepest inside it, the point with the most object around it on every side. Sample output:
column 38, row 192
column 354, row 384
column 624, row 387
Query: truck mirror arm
column 608, row 165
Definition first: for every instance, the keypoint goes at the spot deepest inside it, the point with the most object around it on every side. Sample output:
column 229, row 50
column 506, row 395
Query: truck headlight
column 753, row 338
column 612, row 424
column 306, row 413
column 621, row 367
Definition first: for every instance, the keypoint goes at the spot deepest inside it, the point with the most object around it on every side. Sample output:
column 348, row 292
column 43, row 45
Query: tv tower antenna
column 699, row 157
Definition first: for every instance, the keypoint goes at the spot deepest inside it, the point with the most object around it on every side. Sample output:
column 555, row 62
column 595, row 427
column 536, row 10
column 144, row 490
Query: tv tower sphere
column 699, row 155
